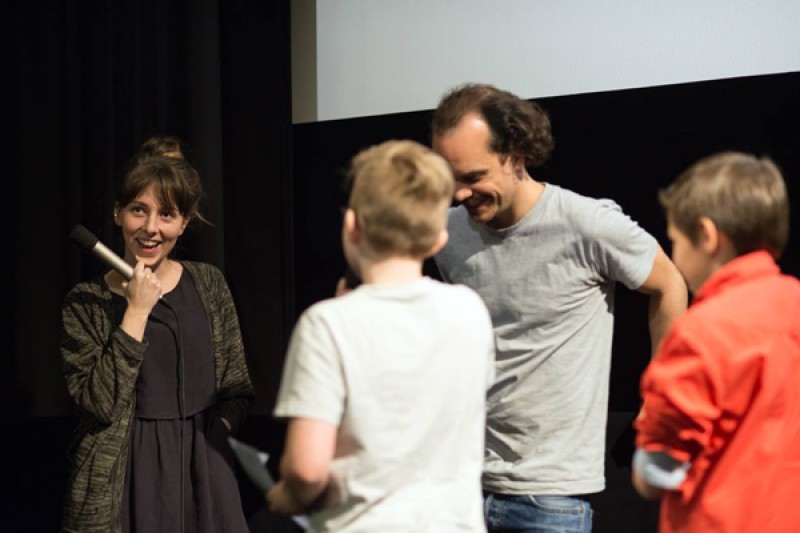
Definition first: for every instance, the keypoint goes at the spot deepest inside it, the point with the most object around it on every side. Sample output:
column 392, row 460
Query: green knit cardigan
column 101, row 365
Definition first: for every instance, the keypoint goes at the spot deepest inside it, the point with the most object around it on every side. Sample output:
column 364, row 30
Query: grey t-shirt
column 548, row 282
column 402, row 371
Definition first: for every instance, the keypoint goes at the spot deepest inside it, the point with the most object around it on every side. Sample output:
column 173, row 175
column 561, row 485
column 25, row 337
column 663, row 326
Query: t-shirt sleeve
column 313, row 383
column 621, row 249
column 679, row 412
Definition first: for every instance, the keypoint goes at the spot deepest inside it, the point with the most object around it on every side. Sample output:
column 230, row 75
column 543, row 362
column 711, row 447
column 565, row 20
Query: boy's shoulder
column 756, row 306
column 426, row 292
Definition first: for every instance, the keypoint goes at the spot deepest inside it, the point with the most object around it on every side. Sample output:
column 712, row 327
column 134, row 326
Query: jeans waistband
column 504, row 496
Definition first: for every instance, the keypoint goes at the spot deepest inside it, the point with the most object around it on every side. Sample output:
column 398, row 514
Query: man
column 545, row 260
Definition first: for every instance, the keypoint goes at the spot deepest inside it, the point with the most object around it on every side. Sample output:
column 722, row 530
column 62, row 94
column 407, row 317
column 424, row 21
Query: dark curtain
column 92, row 80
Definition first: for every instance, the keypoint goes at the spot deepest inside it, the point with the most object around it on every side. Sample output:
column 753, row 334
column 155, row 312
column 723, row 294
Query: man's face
column 690, row 258
column 484, row 184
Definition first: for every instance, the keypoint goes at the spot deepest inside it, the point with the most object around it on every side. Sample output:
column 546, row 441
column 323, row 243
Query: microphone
column 88, row 241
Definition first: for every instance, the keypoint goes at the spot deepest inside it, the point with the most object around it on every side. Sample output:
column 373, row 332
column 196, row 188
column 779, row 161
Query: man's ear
column 441, row 240
column 708, row 236
column 519, row 169
column 514, row 166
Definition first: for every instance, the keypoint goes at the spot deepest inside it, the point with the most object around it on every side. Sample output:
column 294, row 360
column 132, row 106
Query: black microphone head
column 351, row 280
column 83, row 237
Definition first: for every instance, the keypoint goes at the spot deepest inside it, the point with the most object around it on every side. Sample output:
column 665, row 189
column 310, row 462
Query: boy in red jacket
column 718, row 437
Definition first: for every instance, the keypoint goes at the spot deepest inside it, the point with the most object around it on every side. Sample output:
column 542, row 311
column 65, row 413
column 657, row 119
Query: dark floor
column 34, row 476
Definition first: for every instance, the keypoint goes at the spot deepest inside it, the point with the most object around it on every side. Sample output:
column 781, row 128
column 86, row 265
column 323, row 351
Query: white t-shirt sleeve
column 659, row 469
column 312, row 385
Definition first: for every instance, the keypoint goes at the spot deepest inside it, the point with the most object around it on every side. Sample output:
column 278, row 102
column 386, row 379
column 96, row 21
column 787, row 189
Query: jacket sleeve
column 235, row 392
column 100, row 361
column 679, row 413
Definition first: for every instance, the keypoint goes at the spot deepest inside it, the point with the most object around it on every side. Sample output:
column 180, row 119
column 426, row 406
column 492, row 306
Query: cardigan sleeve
column 235, row 393
column 100, row 361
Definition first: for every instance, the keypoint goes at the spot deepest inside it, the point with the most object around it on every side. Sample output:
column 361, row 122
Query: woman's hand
column 142, row 292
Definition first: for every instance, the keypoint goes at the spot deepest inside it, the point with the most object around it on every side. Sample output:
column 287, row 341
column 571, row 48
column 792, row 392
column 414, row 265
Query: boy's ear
column 709, row 236
column 351, row 228
column 441, row 240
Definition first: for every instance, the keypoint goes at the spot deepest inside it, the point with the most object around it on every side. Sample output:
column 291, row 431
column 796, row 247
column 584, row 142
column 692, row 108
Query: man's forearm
column 664, row 308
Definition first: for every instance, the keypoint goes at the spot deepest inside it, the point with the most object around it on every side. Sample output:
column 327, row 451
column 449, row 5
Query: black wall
column 623, row 145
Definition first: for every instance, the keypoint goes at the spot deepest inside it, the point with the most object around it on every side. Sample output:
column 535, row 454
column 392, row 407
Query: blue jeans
column 529, row 513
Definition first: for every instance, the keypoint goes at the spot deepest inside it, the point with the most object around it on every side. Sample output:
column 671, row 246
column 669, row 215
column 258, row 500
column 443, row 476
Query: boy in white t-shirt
column 385, row 386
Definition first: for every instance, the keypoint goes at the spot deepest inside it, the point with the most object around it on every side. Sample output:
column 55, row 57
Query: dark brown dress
column 152, row 495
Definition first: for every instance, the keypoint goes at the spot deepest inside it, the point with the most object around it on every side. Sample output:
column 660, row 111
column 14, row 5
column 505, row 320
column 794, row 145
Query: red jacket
column 723, row 392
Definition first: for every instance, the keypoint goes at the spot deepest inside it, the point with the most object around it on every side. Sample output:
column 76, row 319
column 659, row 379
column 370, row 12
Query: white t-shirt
column 548, row 282
column 403, row 371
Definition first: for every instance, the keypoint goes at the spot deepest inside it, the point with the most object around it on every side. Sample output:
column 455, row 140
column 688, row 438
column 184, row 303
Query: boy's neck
column 391, row 270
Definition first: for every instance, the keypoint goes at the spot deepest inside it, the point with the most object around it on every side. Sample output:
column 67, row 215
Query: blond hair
column 400, row 193
column 743, row 195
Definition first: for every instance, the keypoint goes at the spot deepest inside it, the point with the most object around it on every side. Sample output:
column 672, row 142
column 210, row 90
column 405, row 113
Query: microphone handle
column 113, row 260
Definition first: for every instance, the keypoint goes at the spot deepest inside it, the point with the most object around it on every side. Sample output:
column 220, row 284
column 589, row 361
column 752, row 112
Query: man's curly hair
column 520, row 128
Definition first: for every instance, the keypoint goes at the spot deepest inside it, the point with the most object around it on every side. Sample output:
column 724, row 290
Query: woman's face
column 149, row 229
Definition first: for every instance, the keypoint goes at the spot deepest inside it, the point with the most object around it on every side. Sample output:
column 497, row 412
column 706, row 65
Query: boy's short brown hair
column 400, row 192
column 743, row 195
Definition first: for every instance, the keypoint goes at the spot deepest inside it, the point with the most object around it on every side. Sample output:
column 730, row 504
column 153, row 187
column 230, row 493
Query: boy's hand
column 281, row 501
column 341, row 287
column 348, row 282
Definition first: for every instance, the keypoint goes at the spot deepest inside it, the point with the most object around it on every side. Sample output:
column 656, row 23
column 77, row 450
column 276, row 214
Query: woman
column 156, row 365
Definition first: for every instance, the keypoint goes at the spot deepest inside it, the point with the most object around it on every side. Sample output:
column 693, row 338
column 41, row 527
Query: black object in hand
column 87, row 241
column 351, row 281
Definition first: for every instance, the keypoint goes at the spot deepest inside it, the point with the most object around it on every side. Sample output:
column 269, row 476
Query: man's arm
column 668, row 296
column 305, row 466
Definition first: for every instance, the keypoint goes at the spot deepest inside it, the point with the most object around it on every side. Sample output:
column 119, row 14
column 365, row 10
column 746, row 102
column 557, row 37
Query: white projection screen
column 355, row 58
